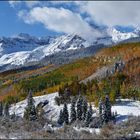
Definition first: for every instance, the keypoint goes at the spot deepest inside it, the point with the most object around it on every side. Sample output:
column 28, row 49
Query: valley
column 88, row 74
column 69, row 70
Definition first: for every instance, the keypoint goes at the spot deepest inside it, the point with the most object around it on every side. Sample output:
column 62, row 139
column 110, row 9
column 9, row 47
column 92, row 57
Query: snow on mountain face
column 18, row 58
column 118, row 36
column 112, row 36
column 23, row 49
column 22, row 42
column 62, row 43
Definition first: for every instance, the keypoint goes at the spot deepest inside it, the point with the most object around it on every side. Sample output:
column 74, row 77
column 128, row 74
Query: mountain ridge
column 24, row 49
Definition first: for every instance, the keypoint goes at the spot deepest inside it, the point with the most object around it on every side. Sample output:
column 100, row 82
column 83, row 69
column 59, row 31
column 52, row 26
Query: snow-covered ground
column 124, row 107
column 91, row 130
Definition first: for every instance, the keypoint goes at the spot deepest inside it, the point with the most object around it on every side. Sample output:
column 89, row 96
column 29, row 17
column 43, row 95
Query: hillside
column 47, row 80
column 17, row 128
column 130, row 107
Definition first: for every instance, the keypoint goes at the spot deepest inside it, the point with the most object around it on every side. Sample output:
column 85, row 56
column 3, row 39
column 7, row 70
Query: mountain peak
column 118, row 36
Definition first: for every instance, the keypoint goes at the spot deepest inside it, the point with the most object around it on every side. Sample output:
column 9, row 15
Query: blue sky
column 54, row 18
column 11, row 25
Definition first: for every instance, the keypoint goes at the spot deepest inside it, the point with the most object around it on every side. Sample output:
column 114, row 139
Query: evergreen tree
column 67, row 94
column 61, row 118
column 100, row 107
column 91, row 110
column 65, row 114
column 1, row 109
column 79, row 108
column 30, row 111
column 89, row 116
column 107, row 110
column 84, row 107
column 6, row 110
column 101, row 111
column 73, row 111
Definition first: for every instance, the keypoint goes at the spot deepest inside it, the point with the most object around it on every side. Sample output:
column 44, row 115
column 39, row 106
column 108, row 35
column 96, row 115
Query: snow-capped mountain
column 118, row 36
column 112, row 36
column 21, row 42
column 25, row 54
column 62, row 43
column 23, row 49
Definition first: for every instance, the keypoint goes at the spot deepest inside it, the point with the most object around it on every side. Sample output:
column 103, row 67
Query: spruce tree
column 84, row 107
column 73, row 111
column 107, row 110
column 101, row 111
column 100, row 107
column 30, row 111
column 6, row 110
column 1, row 109
column 91, row 110
column 89, row 116
column 79, row 108
column 65, row 114
column 61, row 118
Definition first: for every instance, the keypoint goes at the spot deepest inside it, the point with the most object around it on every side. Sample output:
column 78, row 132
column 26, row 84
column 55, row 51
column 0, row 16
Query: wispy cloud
column 60, row 16
column 59, row 20
column 111, row 13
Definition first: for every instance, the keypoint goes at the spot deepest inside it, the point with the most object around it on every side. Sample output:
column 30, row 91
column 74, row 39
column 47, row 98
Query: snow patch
column 124, row 107
column 91, row 130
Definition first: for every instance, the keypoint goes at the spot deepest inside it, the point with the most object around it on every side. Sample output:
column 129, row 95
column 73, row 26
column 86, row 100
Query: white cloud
column 126, row 13
column 59, row 20
column 110, row 13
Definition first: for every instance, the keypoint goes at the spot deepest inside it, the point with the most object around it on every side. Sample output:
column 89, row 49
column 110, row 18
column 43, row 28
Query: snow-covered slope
column 51, row 109
column 24, row 49
column 124, row 107
column 62, row 43
column 111, row 35
column 21, row 42
column 18, row 58
column 118, row 36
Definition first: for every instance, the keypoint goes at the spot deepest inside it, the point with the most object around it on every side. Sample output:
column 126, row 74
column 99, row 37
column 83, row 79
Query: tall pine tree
column 1, row 109
column 107, row 110
column 65, row 114
column 100, row 107
column 61, row 118
column 79, row 108
column 6, row 110
column 89, row 116
column 84, row 107
column 30, row 111
column 101, row 112
column 73, row 111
